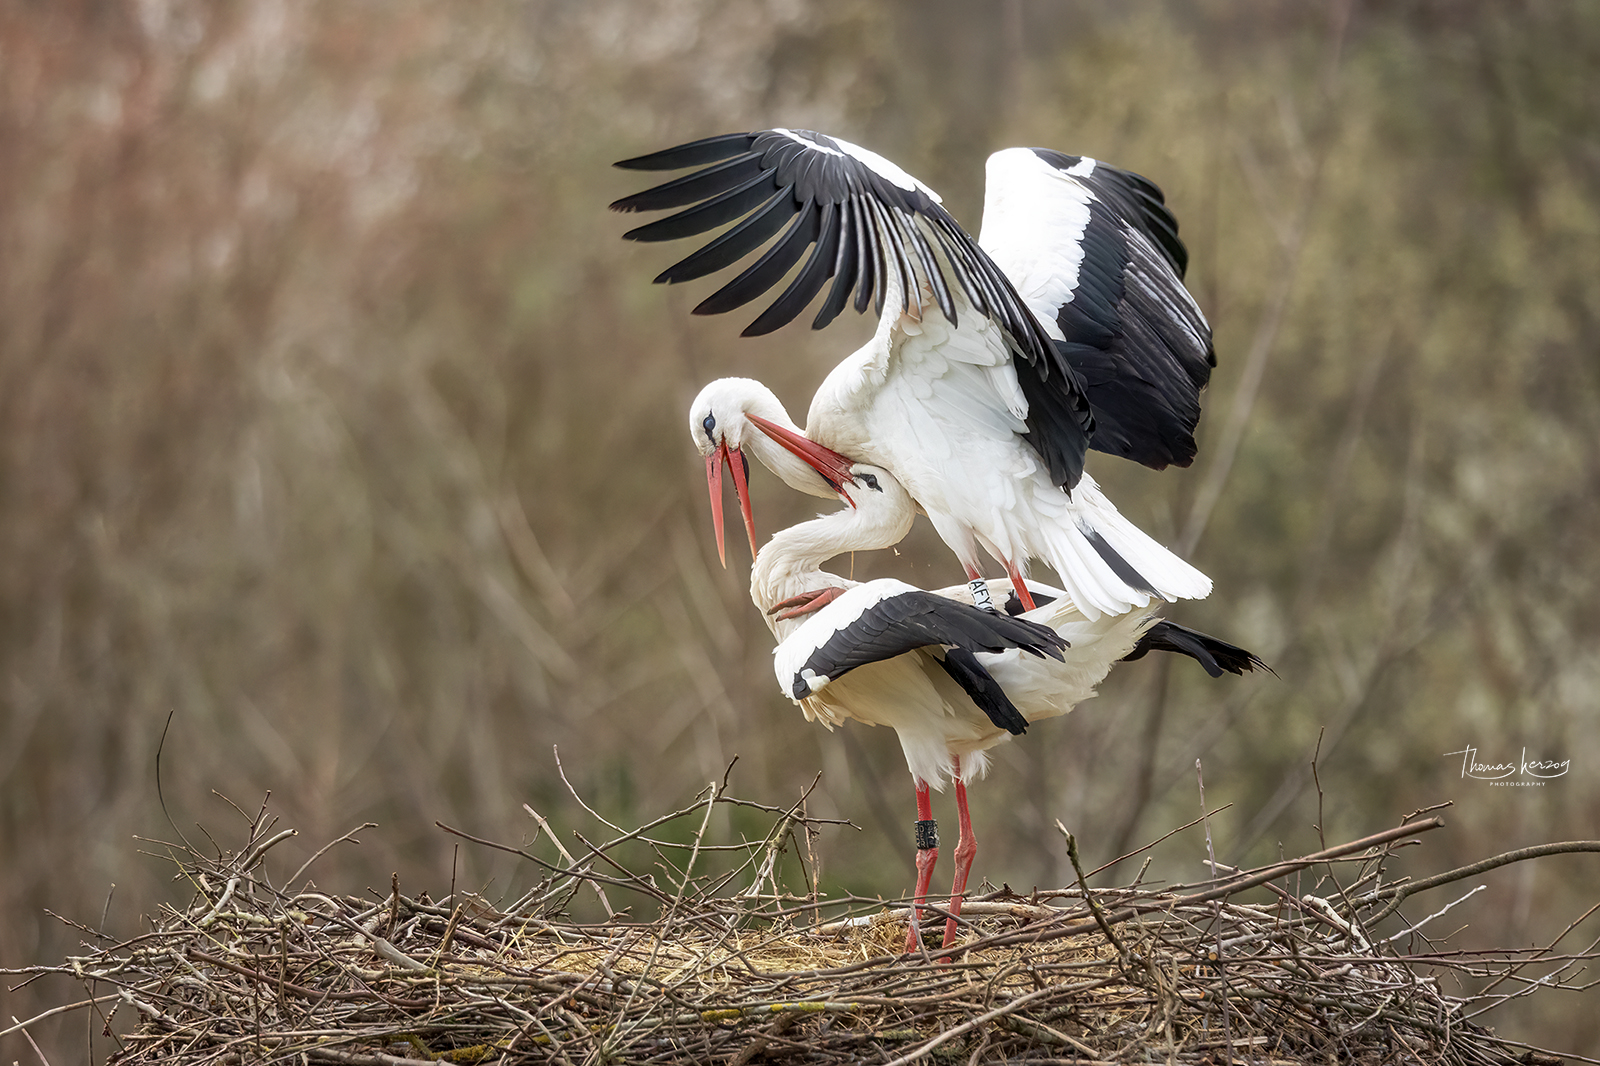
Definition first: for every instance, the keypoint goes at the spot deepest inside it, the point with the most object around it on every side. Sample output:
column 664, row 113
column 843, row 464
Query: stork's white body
column 940, row 406
column 910, row 693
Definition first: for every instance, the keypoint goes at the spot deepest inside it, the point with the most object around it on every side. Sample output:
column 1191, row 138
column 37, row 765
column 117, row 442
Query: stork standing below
column 950, row 679
column 995, row 364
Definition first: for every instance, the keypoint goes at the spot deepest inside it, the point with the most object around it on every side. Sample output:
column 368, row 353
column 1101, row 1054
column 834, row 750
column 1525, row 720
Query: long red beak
column 741, row 488
column 834, row 468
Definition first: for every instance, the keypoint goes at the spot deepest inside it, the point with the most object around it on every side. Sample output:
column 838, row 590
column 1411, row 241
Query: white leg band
column 980, row 594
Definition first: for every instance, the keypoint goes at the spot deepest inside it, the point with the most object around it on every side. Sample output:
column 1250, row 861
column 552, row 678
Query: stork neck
column 793, row 557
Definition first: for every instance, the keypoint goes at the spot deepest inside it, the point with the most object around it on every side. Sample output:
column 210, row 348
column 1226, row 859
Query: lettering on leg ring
column 980, row 595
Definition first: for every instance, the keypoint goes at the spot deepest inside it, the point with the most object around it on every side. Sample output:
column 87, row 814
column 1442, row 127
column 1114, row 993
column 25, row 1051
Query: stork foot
column 805, row 603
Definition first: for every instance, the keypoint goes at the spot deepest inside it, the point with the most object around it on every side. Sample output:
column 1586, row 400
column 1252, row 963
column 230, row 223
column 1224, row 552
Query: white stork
column 995, row 364
column 950, row 679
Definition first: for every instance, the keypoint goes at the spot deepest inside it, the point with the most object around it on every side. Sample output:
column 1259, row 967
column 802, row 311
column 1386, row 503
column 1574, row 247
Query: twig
column 555, row 751
column 1088, row 897
column 256, row 853
column 350, row 836
column 104, row 911
column 32, row 1043
column 949, row 1034
column 1408, row 930
column 1398, row 893
column 1174, row 832
column 565, row 854
column 17, row 1027
column 1223, row 891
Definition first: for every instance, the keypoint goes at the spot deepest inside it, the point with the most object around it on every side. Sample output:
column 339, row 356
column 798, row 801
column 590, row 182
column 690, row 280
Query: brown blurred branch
column 1292, row 236
column 1398, row 893
column 1248, row 387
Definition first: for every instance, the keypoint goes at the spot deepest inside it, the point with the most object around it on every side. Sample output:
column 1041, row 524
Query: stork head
column 722, row 420
column 884, row 510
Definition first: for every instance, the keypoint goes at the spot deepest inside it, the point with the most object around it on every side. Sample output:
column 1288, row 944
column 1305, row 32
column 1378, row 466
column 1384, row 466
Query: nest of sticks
column 730, row 967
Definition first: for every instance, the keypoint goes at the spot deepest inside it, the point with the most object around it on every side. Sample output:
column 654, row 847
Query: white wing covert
column 1095, row 254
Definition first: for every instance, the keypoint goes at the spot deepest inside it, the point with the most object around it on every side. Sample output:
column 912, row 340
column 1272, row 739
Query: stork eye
column 871, row 482
column 710, row 424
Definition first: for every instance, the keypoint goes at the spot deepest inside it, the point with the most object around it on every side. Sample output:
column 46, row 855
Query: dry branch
column 733, row 967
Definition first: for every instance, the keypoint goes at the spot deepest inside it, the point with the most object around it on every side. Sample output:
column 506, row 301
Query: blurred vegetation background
column 337, row 423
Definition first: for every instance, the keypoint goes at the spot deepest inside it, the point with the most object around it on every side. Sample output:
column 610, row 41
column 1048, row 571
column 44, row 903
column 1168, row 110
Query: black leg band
column 927, row 834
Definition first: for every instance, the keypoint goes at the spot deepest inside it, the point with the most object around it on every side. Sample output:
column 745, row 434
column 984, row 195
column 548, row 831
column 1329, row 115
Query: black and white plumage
column 872, row 229
column 886, row 618
column 875, row 653
column 872, row 652
column 1215, row 656
column 1108, row 289
column 951, row 679
column 967, row 390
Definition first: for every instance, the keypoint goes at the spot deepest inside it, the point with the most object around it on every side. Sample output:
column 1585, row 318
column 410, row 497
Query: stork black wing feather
column 964, row 279
column 720, row 209
column 1130, row 330
column 1134, row 197
column 1216, row 655
column 1143, row 351
column 765, row 272
column 846, row 267
column 814, row 177
column 733, row 244
column 694, row 154
column 691, row 187
column 1060, row 423
column 930, row 266
column 898, row 238
column 1147, row 207
column 905, row 621
column 965, row 670
column 806, row 284
column 872, row 257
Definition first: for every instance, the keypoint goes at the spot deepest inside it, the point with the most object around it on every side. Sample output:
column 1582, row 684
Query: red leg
column 805, row 603
column 1020, row 585
column 926, row 857
column 966, row 850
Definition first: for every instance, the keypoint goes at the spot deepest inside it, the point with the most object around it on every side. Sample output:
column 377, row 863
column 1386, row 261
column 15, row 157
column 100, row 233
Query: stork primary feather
column 950, row 679
column 993, row 361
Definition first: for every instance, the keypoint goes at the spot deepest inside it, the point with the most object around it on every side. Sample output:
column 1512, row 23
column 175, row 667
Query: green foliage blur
column 338, row 424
